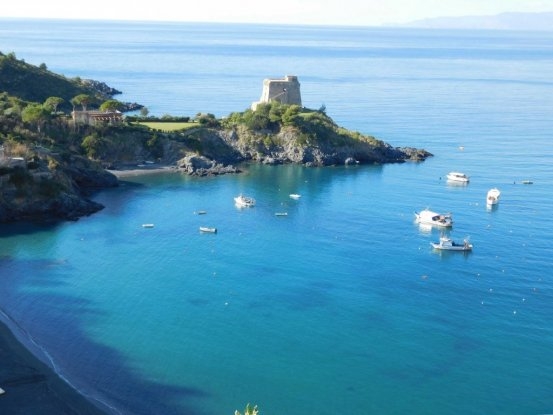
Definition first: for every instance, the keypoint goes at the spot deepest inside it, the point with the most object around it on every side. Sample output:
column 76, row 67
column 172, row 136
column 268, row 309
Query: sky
column 319, row 12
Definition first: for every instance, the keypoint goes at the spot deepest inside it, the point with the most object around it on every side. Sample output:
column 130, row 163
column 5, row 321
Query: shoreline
column 32, row 387
column 28, row 384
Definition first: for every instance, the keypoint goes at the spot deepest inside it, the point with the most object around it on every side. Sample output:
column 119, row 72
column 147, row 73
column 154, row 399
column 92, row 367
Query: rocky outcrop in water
column 101, row 87
column 195, row 165
column 289, row 146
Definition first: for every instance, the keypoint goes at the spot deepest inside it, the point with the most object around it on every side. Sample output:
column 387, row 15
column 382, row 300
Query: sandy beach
column 32, row 387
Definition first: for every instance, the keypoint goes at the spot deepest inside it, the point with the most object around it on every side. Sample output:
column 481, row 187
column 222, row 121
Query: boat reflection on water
column 453, row 183
column 425, row 228
column 491, row 208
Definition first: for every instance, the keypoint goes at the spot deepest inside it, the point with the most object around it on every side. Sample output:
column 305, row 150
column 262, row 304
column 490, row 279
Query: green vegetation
column 250, row 410
column 313, row 127
column 82, row 100
column 37, row 83
column 111, row 105
column 31, row 115
column 47, row 156
column 34, row 116
column 168, row 126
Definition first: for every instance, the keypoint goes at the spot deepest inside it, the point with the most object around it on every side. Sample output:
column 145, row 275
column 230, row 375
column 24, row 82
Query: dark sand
column 31, row 387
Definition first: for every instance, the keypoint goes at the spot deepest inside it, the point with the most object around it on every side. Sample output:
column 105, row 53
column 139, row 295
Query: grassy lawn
column 169, row 126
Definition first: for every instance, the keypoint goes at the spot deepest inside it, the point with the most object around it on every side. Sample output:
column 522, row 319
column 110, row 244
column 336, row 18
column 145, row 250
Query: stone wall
column 285, row 91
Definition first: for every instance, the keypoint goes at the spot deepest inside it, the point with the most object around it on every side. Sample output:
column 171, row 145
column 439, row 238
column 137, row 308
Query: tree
column 207, row 120
column 322, row 109
column 144, row 112
column 111, row 105
column 94, row 146
column 291, row 115
column 82, row 99
column 53, row 102
column 276, row 111
column 35, row 114
column 155, row 146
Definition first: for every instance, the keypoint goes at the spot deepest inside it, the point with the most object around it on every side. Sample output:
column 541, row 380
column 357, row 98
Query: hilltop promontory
column 51, row 161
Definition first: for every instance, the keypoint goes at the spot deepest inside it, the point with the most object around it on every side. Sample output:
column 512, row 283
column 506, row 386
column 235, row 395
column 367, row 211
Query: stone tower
column 285, row 91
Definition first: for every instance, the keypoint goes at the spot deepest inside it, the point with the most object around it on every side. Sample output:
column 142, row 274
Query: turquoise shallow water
column 342, row 303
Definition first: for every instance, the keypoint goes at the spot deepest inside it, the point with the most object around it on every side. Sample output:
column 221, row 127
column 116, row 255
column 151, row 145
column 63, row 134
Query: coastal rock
column 50, row 189
column 290, row 146
column 87, row 175
column 415, row 154
column 106, row 91
column 202, row 166
column 101, row 87
column 65, row 205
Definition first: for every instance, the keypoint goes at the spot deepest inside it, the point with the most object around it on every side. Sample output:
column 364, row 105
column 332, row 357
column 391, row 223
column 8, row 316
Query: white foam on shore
column 24, row 337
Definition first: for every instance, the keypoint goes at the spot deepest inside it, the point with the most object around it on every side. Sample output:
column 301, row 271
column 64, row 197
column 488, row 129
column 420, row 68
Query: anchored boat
column 244, row 201
column 447, row 244
column 492, row 197
column 429, row 217
column 455, row 176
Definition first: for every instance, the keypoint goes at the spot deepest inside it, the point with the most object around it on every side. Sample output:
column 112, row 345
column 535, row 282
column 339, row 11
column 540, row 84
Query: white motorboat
column 455, row 176
column 205, row 229
column 281, row 214
column 493, row 196
column 295, row 196
column 147, row 225
column 429, row 217
column 447, row 244
column 244, row 201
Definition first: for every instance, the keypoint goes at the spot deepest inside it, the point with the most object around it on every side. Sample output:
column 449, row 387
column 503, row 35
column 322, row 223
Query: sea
column 342, row 305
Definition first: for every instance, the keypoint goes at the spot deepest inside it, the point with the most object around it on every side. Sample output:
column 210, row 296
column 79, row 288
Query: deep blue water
column 342, row 303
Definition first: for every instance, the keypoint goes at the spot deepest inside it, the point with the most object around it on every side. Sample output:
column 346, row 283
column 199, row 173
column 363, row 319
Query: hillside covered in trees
column 36, row 84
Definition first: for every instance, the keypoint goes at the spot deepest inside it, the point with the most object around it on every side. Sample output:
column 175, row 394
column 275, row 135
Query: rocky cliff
column 49, row 188
column 224, row 148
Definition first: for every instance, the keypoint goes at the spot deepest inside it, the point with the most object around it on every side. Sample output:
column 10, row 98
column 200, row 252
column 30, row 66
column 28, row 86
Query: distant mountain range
column 503, row 21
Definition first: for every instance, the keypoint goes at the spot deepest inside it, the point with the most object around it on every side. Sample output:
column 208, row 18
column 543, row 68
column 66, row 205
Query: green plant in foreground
column 249, row 410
